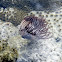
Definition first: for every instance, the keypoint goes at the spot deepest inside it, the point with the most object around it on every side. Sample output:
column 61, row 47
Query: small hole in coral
column 37, row 12
column 40, row 12
column 61, row 22
column 54, row 23
column 57, row 20
column 55, row 15
column 10, row 31
column 48, row 20
column 56, row 12
column 51, row 15
column 39, row 15
column 42, row 15
column 31, row 13
column 47, row 12
column 46, row 15
column 51, row 26
column 54, row 19
column 58, row 25
column 57, row 39
column 61, row 15
column 59, row 30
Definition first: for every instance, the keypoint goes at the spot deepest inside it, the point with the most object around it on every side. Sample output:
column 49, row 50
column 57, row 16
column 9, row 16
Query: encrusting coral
column 54, row 20
column 19, row 43
column 7, row 29
column 7, row 54
column 43, row 50
column 39, row 24
column 10, row 42
column 11, row 50
column 12, row 15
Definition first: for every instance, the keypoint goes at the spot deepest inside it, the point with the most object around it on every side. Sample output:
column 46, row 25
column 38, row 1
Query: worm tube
column 34, row 27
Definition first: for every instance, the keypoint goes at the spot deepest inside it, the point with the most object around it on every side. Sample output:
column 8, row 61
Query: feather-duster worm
column 34, row 27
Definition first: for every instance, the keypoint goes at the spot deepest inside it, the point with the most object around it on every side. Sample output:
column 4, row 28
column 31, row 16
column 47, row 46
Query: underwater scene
column 30, row 30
